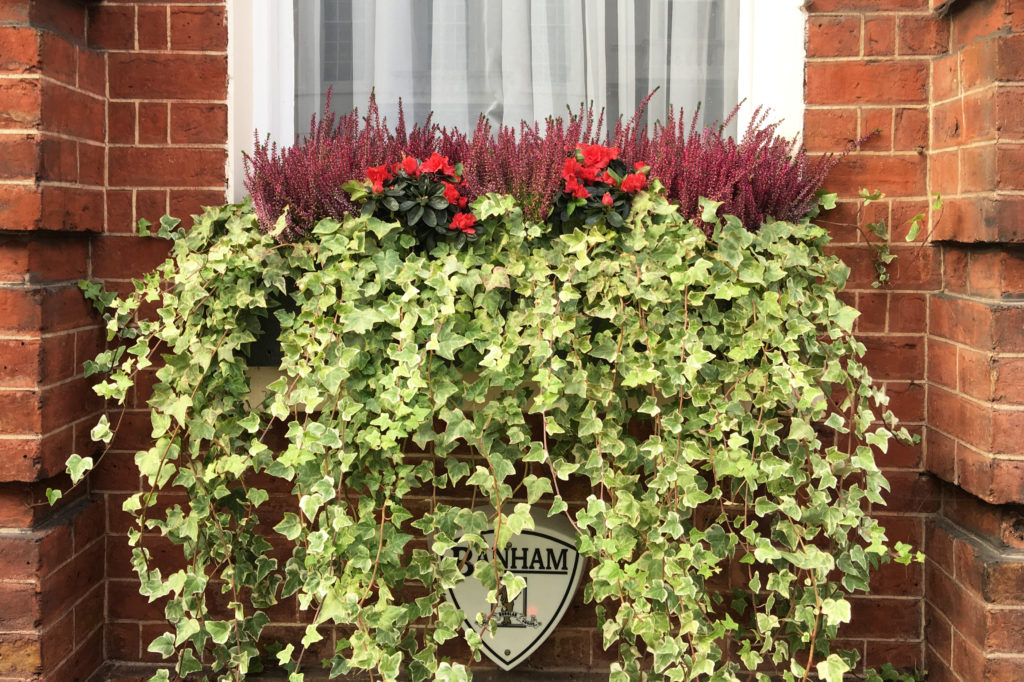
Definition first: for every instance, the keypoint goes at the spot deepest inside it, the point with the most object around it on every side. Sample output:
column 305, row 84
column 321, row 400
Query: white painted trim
column 261, row 40
column 771, row 62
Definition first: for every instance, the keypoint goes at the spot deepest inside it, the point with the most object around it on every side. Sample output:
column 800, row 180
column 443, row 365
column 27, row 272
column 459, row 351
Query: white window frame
column 261, row 72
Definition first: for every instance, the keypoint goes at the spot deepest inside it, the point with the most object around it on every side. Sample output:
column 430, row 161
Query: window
column 508, row 59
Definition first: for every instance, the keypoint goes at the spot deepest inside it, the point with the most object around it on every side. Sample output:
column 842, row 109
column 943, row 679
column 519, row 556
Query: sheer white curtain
column 515, row 59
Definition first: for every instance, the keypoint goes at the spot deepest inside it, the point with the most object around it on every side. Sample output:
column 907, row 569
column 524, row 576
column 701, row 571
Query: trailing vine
column 705, row 388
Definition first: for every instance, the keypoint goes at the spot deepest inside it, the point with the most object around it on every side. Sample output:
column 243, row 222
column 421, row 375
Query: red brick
column 941, row 458
column 185, row 203
column 994, row 480
column 963, row 419
column 66, row 403
column 974, row 372
column 120, row 257
column 83, row 663
column 19, row 50
column 59, row 160
column 20, row 207
column 982, row 219
column 152, row 28
column 151, row 205
column 171, row 76
column 879, row 36
column 894, row 357
column 122, row 641
column 897, row 175
column 58, row 59
column 910, row 129
column 947, row 124
column 833, row 36
column 15, row 11
column 70, row 112
column 152, row 123
column 112, row 27
column 121, row 122
column 976, row 20
column 92, row 72
column 942, row 363
column 1008, row 380
column 72, row 209
column 979, row 117
column 43, row 310
column 19, row 103
column 148, row 167
column 883, row 618
column 1006, row 631
column 199, row 123
column 873, row 307
column 58, row 641
column 64, row 18
column 89, row 614
column 979, row 168
column 923, row 35
column 120, row 211
column 944, row 172
column 877, row 123
column 1009, row 105
column 92, row 164
column 884, row 82
column 946, row 77
column 916, row 267
column 938, row 634
column 911, row 492
column 19, row 606
column 902, row 655
column 19, row 157
column 198, row 28
column 968, row 659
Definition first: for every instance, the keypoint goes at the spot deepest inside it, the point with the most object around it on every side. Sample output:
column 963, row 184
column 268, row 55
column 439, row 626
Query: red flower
column 634, row 182
column 464, row 222
column 607, row 199
column 463, row 201
column 639, row 166
column 588, row 173
column 598, row 157
column 436, row 163
column 411, row 166
column 450, row 193
column 571, row 169
column 576, row 189
column 606, row 177
column 378, row 175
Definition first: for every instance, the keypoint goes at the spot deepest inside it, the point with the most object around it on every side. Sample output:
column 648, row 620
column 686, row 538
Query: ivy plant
column 705, row 390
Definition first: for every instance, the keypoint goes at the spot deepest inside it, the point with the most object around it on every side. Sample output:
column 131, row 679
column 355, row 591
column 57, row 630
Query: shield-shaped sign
column 546, row 558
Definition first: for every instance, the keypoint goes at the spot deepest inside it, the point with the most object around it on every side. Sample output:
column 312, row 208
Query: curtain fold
column 513, row 60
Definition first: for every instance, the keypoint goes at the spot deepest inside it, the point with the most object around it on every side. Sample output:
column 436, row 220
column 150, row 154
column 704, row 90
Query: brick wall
column 869, row 70
column 944, row 89
column 109, row 112
column 975, row 593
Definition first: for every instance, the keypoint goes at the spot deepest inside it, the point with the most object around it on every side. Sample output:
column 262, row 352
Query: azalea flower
column 464, row 222
column 451, row 194
column 411, row 166
column 378, row 175
column 607, row 199
column 437, row 163
column 634, row 182
column 596, row 156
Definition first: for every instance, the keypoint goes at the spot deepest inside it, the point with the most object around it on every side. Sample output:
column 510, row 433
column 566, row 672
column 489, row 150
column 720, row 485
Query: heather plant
column 760, row 176
column 303, row 182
